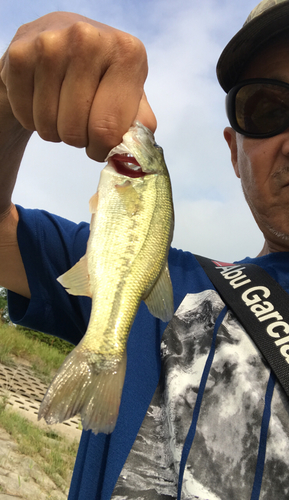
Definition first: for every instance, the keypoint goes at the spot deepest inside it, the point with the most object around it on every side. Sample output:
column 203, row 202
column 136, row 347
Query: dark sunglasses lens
column 262, row 108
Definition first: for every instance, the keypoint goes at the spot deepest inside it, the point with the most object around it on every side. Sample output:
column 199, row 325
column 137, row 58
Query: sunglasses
column 259, row 108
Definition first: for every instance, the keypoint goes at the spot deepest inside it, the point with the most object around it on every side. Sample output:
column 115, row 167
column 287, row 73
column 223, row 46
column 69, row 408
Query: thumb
column 145, row 114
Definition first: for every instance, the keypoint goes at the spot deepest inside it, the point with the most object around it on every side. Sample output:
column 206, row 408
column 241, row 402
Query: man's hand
column 75, row 80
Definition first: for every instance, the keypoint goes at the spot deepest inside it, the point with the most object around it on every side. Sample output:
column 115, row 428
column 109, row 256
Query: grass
column 53, row 453
column 44, row 359
column 44, row 353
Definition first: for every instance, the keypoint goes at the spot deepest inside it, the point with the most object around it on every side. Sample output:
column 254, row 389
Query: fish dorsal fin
column 160, row 301
column 76, row 280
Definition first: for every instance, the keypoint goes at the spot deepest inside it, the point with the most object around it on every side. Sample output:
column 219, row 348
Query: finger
column 145, row 114
column 117, row 99
column 5, row 105
column 66, row 78
column 74, row 107
column 78, row 91
column 61, row 105
column 48, row 79
column 110, row 117
column 18, row 77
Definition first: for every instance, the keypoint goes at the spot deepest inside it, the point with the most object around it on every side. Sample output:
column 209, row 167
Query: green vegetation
column 53, row 453
column 4, row 318
column 33, row 347
column 59, row 344
column 44, row 352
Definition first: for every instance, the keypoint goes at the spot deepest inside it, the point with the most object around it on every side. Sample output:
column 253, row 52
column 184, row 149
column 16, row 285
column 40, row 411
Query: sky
column 183, row 39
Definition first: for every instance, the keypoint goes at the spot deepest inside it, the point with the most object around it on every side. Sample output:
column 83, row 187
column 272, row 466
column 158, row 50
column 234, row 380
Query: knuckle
column 82, row 36
column 46, row 127
column 26, row 122
column 132, row 49
column 47, row 46
column 73, row 138
column 17, row 55
column 49, row 136
column 106, row 132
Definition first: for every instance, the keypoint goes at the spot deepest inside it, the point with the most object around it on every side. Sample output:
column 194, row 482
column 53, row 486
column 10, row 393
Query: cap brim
column 248, row 40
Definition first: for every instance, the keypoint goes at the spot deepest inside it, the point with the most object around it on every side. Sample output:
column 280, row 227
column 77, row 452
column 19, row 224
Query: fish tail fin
column 81, row 386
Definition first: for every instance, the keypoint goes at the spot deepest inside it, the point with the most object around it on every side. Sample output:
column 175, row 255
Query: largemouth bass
column 125, row 262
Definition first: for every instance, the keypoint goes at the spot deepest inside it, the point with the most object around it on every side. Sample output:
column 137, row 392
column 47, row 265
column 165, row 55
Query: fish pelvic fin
column 76, row 279
column 81, row 386
column 160, row 300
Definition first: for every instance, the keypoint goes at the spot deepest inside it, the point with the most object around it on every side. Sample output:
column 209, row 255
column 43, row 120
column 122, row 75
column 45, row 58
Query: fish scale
column 125, row 262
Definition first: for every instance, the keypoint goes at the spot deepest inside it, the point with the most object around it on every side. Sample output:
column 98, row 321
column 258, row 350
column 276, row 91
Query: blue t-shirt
column 49, row 246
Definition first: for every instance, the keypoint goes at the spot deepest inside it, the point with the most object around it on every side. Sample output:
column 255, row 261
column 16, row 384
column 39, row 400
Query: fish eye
column 158, row 147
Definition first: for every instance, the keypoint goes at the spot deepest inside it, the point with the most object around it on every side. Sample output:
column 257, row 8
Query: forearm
column 13, row 140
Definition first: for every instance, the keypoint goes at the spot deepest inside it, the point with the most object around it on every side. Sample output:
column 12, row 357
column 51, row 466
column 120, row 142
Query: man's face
column 263, row 164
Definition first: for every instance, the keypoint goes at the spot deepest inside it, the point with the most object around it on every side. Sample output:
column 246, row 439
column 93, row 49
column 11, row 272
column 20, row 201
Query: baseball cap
column 267, row 19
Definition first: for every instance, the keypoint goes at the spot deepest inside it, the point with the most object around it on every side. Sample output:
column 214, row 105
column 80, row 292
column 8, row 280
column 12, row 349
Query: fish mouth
column 127, row 165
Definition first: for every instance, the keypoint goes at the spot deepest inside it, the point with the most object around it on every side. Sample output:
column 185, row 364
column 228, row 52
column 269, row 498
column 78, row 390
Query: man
column 213, row 378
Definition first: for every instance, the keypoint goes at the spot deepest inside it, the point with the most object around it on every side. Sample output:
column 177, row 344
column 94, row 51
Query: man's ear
column 231, row 139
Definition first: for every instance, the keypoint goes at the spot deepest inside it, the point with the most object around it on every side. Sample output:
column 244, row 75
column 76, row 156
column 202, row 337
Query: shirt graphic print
column 222, row 461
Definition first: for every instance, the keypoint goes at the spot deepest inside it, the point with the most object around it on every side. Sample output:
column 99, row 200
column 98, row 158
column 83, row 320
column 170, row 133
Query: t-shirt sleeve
column 49, row 246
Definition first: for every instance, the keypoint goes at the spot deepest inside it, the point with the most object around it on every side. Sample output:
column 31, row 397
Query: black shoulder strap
column 260, row 304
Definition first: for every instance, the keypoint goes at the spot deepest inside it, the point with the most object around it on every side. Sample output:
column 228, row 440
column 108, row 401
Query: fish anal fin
column 80, row 386
column 93, row 202
column 76, row 279
column 160, row 300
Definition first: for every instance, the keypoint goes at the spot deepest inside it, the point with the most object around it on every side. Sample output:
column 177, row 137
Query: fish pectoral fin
column 160, row 301
column 76, row 280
